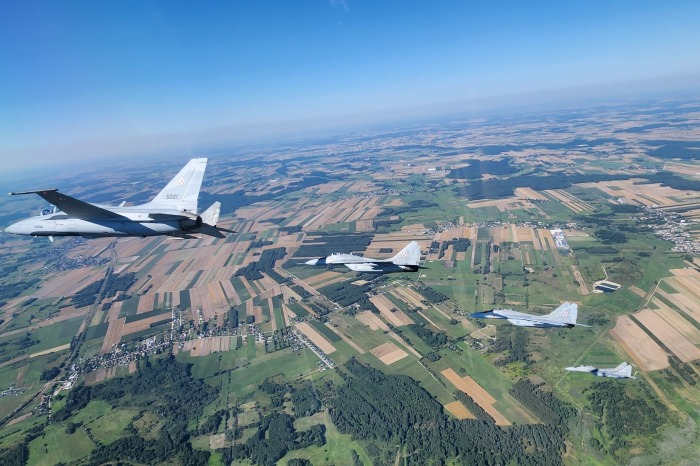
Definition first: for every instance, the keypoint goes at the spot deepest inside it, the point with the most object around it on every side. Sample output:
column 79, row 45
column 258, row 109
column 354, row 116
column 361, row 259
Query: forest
column 322, row 246
column 623, row 413
column 347, row 294
column 371, row 407
column 265, row 263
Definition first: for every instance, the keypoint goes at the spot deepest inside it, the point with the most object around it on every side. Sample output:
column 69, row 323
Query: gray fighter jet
column 172, row 212
column 406, row 260
column 563, row 316
column 623, row 371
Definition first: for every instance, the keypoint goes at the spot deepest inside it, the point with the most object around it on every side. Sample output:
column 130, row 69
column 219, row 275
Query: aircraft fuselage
column 128, row 221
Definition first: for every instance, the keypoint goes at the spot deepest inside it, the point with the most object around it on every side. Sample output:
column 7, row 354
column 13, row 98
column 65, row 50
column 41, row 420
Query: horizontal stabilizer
column 211, row 215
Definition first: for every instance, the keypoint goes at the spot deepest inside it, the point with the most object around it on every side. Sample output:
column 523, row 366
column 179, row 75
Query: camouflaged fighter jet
column 172, row 212
column 563, row 316
column 406, row 260
column 623, row 371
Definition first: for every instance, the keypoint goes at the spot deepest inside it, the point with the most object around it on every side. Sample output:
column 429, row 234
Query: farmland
column 244, row 311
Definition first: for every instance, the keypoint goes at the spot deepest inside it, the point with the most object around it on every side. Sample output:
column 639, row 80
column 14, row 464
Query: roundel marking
column 181, row 181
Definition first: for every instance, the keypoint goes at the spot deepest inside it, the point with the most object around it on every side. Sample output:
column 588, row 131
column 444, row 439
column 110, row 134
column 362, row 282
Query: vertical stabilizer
column 624, row 369
column 566, row 313
column 182, row 191
column 410, row 255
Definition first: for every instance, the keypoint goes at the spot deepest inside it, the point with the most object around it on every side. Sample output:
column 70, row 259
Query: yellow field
column 477, row 393
column 389, row 353
column 317, row 339
column 646, row 353
column 372, row 321
column 458, row 410
column 669, row 336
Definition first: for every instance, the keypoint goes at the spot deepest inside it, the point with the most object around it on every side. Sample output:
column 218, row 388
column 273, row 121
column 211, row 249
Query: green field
column 337, row 449
column 56, row 446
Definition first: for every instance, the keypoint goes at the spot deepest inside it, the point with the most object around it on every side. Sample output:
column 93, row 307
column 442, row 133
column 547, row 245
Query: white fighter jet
column 172, row 212
column 623, row 371
column 407, row 260
column 563, row 316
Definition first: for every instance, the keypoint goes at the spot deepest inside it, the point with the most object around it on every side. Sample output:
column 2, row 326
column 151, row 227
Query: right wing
column 73, row 206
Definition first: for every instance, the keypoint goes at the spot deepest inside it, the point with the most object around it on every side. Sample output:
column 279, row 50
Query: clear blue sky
column 106, row 77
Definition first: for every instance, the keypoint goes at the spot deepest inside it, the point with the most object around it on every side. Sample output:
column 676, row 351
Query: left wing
column 363, row 267
column 523, row 322
column 73, row 206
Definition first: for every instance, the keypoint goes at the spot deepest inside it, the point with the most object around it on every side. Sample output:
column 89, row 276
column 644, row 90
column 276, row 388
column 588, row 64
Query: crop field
column 389, row 353
column 206, row 346
column 668, row 335
column 381, row 201
column 648, row 355
column 396, row 317
column 458, row 410
column 317, row 339
column 478, row 394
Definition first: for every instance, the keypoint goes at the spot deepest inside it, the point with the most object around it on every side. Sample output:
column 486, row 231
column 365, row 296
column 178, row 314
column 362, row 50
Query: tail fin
column 183, row 190
column 211, row 215
column 624, row 369
column 410, row 255
column 566, row 313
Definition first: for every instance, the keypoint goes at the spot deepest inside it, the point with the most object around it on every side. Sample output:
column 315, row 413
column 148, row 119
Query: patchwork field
column 458, row 410
column 317, row 339
column 205, row 346
column 648, row 355
column 389, row 353
column 478, row 394
column 669, row 336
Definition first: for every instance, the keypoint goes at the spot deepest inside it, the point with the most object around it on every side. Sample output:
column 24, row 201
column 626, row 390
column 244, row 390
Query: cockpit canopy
column 52, row 209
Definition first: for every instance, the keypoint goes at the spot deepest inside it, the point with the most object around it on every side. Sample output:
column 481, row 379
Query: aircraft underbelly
column 78, row 227
column 528, row 323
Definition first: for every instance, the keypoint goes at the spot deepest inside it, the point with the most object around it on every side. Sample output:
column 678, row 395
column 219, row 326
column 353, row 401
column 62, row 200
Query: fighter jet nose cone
column 321, row 261
column 11, row 229
column 311, row 262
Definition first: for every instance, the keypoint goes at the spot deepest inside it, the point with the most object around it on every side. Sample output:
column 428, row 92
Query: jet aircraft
column 623, row 371
column 172, row 212
column 563, row 316
column 406, row 260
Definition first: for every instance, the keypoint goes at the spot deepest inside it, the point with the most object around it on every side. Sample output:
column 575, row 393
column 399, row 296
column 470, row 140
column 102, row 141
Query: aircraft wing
column 523, row 322
column 73, row 206
column 364, row 267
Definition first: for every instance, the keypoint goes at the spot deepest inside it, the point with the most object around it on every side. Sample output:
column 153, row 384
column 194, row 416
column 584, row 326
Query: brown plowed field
column 316, row 337
column 458, row 410
column 397, row 318
column 670, row 337
column 409, row 295
column 372, row 321
column 114, row 334
column 579, row 278
column 478, row 394
column 646, row 353
column 143, row 324
column 677, row 321
column 205, row 346
column 683, row 302
column 389, row 353
column 68, row 283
